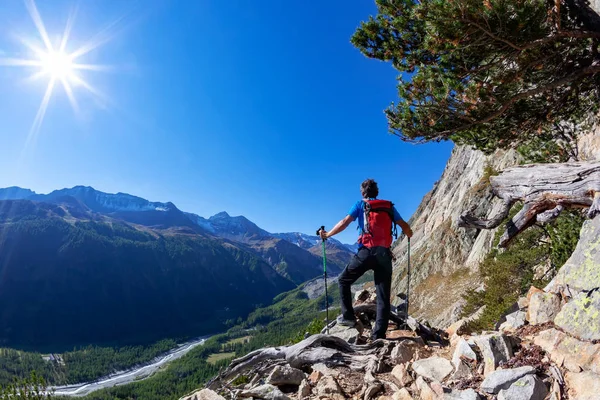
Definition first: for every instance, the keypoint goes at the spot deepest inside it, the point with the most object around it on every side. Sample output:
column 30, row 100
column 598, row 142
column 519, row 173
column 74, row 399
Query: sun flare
column 58, row 66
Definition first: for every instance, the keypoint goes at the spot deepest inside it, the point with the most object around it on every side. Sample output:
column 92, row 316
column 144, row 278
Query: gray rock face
column 285, row 375
column 503, row 378
column 265, row 392
column 468, row 394
column 434, row 368
column 529, row 387
column 439, row 249
column 495, row 349
column 581, row 271
column 581, row 316
column 543, row 307
column 463, row 351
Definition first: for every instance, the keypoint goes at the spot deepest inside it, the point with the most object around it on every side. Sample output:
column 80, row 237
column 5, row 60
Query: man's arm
column 339, row 227
column 405, row 227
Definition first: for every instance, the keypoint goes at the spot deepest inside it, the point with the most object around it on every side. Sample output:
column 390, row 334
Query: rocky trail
column 529, row 357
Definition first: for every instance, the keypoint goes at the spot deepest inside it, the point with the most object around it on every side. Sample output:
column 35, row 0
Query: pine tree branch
column 593, row 69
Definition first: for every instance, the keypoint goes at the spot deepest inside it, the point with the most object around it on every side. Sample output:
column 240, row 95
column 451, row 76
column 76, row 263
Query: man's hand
column 323, row 234
column 408, row 232
column 405, row 228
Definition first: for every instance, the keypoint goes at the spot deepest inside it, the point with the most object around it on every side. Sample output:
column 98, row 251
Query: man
column 376, row 219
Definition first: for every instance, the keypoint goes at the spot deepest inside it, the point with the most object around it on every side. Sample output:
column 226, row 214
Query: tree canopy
column 488, row 73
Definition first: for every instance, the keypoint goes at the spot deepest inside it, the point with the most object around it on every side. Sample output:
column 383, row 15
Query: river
column 124, row 377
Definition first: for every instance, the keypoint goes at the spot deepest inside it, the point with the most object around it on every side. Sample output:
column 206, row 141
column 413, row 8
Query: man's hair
column 369, row 189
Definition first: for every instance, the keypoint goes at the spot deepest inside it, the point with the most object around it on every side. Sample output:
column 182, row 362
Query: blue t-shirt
column 357, row 210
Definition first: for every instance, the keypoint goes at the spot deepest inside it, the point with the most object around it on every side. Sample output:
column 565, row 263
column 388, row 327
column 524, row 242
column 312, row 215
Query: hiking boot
column 351, row 323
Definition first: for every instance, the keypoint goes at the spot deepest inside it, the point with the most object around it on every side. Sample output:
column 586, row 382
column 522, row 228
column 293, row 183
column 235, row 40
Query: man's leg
column 354, row 270
column 383, row 284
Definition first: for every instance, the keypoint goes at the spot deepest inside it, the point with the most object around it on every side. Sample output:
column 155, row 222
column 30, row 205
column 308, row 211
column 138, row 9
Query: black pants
column 379, row 259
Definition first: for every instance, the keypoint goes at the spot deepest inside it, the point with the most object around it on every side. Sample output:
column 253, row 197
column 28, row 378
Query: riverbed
column 124, row 377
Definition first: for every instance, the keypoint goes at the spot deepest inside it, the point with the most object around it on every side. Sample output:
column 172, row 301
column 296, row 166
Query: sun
column 58, row 65
column 53, row 62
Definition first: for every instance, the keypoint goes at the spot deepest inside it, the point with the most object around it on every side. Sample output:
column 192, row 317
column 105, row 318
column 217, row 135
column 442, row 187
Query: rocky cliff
column 444, row 258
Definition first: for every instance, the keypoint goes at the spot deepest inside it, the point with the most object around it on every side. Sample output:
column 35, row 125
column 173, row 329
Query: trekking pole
column 408, row 282
column 322, row 228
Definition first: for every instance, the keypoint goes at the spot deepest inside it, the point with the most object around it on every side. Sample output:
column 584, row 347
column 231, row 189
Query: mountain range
column 81, row 266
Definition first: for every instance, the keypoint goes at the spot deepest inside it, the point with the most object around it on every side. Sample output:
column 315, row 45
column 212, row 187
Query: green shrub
column 509, row 274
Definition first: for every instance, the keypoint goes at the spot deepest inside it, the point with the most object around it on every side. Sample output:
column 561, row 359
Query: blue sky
column 260, row 108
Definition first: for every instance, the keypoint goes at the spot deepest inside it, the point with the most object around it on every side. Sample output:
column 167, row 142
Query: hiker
column 377, row 220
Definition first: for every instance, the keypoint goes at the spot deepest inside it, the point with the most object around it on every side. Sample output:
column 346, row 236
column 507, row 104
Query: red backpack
column 379, row 224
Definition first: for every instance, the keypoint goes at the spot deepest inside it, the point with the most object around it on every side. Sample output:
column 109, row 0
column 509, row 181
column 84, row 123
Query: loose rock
column 463, row 351
column 329, row 387
column 495, row 349
column 204, row 394
column 425, row 392
column 401, row 375
column 315, row 377
column 403, row 352
column 543, row 307
column 434, row 368
column 503, row 378
column 304, row 390
column 529, row 387
column 402, row 394
column 468, row 394
column 266, row 392
column 285, row 375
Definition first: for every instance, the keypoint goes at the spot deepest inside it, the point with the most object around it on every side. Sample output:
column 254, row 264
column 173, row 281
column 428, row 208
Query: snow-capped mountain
column 308, row 241
column 99, row 201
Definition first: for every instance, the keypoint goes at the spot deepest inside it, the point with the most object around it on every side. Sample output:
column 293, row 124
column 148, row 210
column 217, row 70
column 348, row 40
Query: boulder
column 468, row 394
column 581, row 316
column 529, row 387
column 285, row 375
column 401, row 375
column 204, row 394
column 402, row 394
column 434, row 368
column 543, row 307
column 403, row 352
column 574, row 354
column 266, row 392
column 583, row 385
column 329, row 388
column 503, row 378
column 495, row 348
column 581, row 271
column 463, row 351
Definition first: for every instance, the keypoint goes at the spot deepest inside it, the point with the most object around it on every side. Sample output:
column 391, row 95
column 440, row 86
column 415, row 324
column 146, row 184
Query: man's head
column 369, row 189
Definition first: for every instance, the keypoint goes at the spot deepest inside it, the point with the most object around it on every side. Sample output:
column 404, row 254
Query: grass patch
column 240, row 340
column 216, row 357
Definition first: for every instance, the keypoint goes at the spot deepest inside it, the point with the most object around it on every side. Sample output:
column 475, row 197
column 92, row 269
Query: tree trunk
column 545, row 190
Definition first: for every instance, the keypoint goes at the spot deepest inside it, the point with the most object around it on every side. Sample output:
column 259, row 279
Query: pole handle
column 322, row 228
